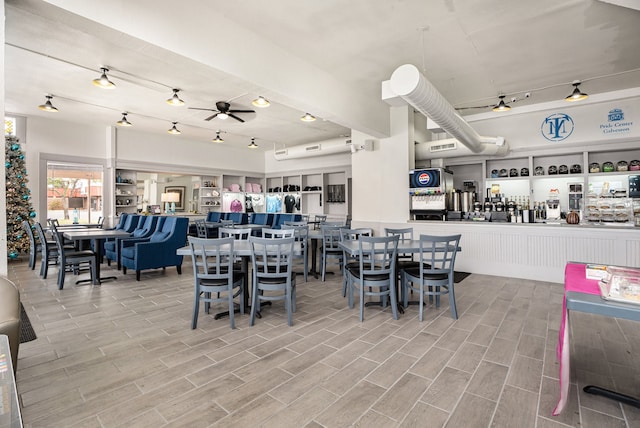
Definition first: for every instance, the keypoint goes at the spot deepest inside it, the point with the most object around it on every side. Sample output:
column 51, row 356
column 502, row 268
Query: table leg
column 626, row 399
column 98, row 243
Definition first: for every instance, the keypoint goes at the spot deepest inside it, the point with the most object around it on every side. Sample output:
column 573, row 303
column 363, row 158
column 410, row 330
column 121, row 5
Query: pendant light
column 124, row 121
column 501, row 105
column 577, row 94
column 218, row 139
column 47, row 106
column 175, row 99
column 174, row 130
column 253, row 144
column 308, row 118
column 261, row 102
column 103, row 81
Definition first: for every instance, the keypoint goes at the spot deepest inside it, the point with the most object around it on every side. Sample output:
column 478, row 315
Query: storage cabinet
column 126, row 192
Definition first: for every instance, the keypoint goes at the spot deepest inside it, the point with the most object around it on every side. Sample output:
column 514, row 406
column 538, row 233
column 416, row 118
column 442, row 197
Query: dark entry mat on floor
column 459, row 276
column 26, row 330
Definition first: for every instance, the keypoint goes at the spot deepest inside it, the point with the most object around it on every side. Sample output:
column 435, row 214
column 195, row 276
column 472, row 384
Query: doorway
column 74, row 192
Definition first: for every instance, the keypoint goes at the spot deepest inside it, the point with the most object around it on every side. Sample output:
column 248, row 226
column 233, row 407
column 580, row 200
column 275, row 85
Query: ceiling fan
column 223, row 110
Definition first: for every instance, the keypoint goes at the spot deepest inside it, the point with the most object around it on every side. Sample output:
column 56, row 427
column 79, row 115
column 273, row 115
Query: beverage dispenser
column 429, row 189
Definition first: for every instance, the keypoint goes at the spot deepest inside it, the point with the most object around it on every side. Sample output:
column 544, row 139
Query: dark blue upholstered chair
column 146, row 227
column 280, row 219
column 214, row 216
column 157, row 251
column 238, row 218
column 265, row 219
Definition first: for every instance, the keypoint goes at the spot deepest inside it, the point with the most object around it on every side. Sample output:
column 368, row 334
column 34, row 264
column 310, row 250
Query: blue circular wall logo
column 557, row 127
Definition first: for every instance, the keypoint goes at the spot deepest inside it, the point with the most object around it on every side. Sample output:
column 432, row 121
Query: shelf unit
column 126, row 192
column 537, row 187
column 207, row 194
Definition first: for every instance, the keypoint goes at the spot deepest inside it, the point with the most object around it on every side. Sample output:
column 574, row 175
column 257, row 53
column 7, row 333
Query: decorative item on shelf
column 170, row 199
column 552, row 170
column 622, row 166
column 494, row 173
column 513, row 172
column 634, row 165
column 503, row 173
column 573, row 217
column 594, row 167
column 524, row 172
column 607, row 167
column 563, row 169
column 576, row 169
column 539, row 170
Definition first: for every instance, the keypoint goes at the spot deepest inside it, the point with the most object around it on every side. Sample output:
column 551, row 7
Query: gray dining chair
column 330, row 248
column 375, row 274
column 238, row 233
column 273, row 276
column 350, row 261
column 277, row 233
column 213, row 272
column 73, row 259
column 301, row 233
column 434, row 276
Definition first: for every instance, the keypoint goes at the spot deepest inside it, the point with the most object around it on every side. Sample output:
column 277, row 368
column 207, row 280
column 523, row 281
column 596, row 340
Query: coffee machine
column 553, row 205
column 430, row 190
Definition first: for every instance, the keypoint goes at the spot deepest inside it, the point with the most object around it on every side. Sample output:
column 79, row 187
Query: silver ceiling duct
column 414, row 88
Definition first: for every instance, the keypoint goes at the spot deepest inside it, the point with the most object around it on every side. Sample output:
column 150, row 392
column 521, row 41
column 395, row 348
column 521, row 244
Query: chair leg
column 421, row 300
column 452, row 301
column 179, row 269
column 254, row 303
column 232, row 318
column 361, row 302
column 196, row 309
column 393, row 298
column 124, row 270
column 241, row 295
column 137, row 275
column 61, row 274
column 323, row 262
column 289, row 306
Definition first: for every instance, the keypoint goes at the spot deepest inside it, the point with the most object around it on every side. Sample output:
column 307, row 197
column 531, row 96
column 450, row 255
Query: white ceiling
column 325, row 57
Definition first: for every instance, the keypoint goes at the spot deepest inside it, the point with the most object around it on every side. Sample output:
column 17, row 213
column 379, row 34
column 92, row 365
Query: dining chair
column 350, row 235
column 405, row 260
column 226, row 223
column 73, row 259
column 34, row 244
column 375, row 273
column 201, row 228
column 330, row 248
column 48, row 249
column 213, row 272
column 238, row 233
column 435, row 273
column 301, row 233
column 319, row 219
column 277, row 233
column 273, row 276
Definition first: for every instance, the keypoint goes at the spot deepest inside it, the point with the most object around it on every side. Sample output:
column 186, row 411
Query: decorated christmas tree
column 19, row 206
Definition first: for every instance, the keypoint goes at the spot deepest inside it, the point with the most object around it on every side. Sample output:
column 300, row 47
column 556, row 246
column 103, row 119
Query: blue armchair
column 157, row 251
column 279, row 219
column 265, row 219
column 238, row 218
column 214, row 216
column 146, row 227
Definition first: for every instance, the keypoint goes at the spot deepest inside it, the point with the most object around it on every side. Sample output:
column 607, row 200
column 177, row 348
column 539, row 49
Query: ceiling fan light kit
column 47, row 106
column 103, row 81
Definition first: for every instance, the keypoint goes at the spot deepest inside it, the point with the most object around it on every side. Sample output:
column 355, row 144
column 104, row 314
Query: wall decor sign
column 557, row 127
column 616, row 123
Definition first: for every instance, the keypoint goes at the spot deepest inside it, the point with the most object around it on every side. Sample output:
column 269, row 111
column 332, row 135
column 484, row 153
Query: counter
column 535, row 251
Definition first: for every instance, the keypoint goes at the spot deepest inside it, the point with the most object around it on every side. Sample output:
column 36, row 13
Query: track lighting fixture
column 501, row 105
column 47, row 106
column 308, row 118
column 175, row 99
column 174, row 130
column 261, row 102
column 124, row 121
column 577, row 94
column 218, row 139
column 103, row 81
column 253, row 144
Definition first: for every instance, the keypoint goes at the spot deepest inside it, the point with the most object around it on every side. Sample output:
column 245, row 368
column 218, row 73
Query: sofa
column 10, row 317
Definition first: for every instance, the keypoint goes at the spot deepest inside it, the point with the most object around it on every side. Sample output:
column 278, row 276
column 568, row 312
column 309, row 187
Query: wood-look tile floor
column 123, row 354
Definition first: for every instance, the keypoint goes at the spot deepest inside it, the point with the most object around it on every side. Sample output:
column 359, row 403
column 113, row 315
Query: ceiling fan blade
column 235, row 117
column 198, row 108
column 212, row 116
column 241, row 111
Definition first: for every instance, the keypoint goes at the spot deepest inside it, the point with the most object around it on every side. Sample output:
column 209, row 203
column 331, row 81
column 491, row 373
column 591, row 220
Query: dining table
column 97, row 237
column 242, row 250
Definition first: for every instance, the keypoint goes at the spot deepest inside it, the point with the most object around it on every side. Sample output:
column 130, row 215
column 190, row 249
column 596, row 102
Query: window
column 74, row 192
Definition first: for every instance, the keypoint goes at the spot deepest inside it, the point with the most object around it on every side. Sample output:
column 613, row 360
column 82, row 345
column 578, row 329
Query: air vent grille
column 442, row 147
column 313, row 148
column 281, row 152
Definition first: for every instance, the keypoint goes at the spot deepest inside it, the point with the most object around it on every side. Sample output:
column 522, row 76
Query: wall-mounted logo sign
column 616, row 123
column 557, row 127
